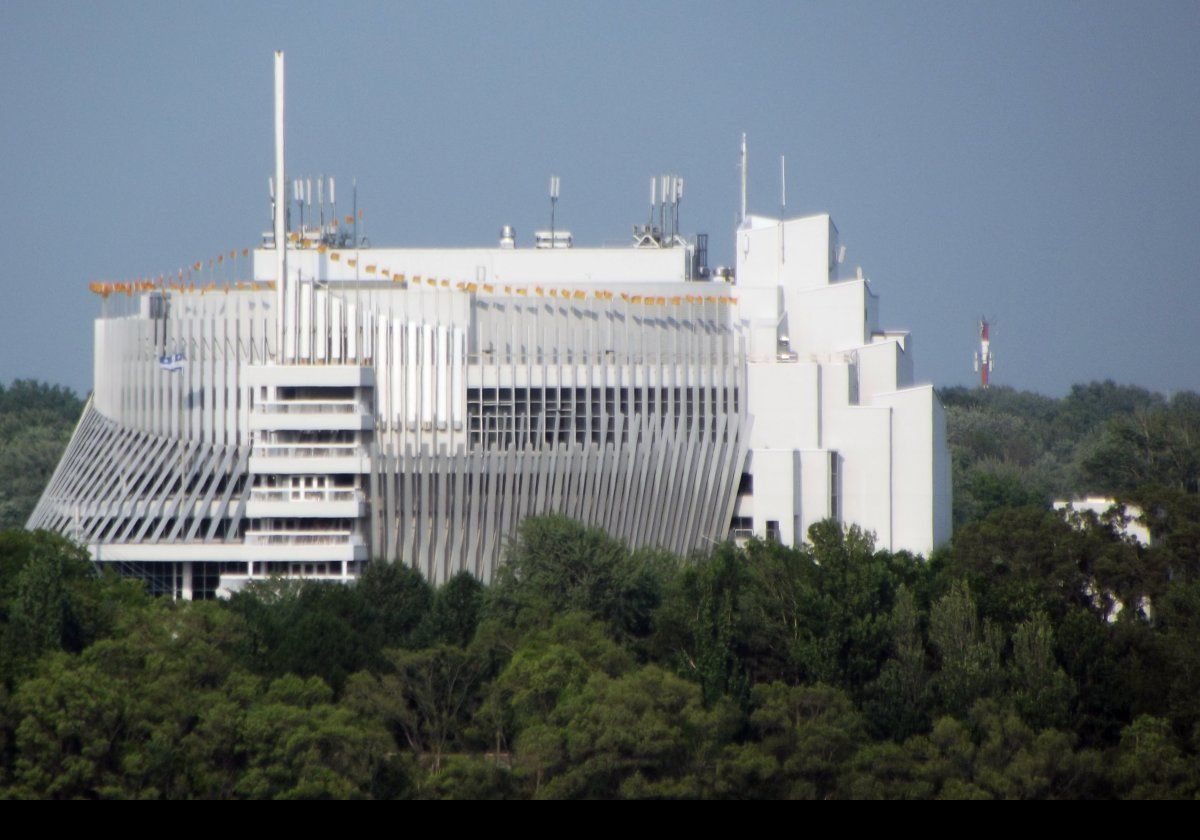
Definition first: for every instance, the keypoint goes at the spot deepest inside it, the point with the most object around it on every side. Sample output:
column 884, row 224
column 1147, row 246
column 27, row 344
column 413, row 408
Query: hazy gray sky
column 1036, row 163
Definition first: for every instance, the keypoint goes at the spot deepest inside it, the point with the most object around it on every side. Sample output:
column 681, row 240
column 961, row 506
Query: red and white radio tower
column 983, row 358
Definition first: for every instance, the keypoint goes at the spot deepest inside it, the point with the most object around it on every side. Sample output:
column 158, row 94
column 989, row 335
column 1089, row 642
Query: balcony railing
column 302, row 538
column 307, row 494
column 303, row 450
column 311, row 407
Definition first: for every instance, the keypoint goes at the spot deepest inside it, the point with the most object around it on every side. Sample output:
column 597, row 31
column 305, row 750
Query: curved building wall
column 418, row 419
column 415, row 425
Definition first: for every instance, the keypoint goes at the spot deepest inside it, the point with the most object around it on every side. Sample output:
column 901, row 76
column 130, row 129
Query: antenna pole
column 553, row 202
column 280, row 211
column 663, row 214
column 782, row 206
column 782, row 184
column 676, row 195
column 743, row 168
column 678, row 199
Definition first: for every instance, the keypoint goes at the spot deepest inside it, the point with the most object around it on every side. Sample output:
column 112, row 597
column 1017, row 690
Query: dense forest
column 1034, row 657
column 36, row 422
column 1011, row 448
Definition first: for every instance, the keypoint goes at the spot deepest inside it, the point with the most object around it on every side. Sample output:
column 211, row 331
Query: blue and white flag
column 171, row 363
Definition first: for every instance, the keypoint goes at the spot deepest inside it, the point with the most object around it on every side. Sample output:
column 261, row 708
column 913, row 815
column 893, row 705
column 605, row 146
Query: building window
column 773, row 531
column 835, row 487
column 746, row 484
column 741, row 528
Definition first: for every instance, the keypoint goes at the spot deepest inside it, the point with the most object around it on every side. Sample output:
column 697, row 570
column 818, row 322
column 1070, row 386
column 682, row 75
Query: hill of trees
column 1032, row 658
column 1014, row 448
column 36, row 421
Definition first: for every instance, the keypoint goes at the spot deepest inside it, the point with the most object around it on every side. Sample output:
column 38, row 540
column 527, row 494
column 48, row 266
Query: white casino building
column 414, row 405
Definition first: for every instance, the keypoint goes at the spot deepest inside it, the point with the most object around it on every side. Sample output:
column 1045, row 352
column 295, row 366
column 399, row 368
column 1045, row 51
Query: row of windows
column 169, row 578
column 506, row 417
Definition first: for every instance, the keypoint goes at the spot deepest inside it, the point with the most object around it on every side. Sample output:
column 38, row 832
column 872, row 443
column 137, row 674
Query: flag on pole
column 172, row 363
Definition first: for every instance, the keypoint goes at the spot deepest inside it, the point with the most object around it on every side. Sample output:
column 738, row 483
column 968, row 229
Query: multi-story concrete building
column 413, row 405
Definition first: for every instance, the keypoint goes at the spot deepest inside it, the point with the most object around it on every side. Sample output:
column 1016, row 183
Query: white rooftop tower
column 280, row 205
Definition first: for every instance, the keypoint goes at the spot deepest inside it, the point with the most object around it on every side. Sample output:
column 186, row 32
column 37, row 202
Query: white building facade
column 839, row 429
column 417, row 404
column 351, row 404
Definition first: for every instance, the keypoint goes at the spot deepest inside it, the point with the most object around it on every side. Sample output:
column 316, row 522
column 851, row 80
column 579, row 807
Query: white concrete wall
column 761, row 309
column 913, row 465
column 828, row 319
column 814, row 489
column 878, row 369
column 890, row 437
column 800, row 261
column 492, row 265
column 836, row 390
column 863, row 437
column 785, row 404
column 777, row 492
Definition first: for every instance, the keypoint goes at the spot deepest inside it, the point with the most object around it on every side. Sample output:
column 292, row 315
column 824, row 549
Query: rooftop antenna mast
column 742, row 166
column 662, row 208
column 782, row 186
column 321, row 201
column 653, row 199
column 280, row 204
column 553, row 202
column 676, row 196
column 298, row 197
column 309, row 201
column 782, row 206
column 333, row 206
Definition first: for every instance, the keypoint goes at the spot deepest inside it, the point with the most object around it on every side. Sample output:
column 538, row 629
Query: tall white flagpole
column 280, row 213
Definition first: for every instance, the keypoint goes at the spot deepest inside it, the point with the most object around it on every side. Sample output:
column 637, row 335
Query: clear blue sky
column 1038, row 163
